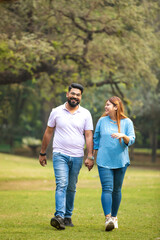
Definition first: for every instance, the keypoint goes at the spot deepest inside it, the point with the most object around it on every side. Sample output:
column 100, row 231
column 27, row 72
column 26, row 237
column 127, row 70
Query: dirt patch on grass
column 44, row 185
column 33, row 185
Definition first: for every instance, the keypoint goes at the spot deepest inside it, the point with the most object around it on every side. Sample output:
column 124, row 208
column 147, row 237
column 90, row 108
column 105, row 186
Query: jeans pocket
column 56, row 154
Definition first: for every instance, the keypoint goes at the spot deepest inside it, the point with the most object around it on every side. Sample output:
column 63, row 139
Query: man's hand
column 43, row 160
column 89, row 163
column 46, row 139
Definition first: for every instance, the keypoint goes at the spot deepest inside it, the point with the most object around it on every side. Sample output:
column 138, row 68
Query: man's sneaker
column 109, row 224
column 58, row 222
column 68, row 222
column 115, row 220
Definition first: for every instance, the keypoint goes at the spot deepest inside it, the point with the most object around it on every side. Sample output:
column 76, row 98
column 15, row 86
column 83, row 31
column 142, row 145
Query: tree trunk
column 154, row 145
column 131, row 153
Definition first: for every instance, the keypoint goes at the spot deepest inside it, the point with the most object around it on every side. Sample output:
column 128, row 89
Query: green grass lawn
column 27, row 203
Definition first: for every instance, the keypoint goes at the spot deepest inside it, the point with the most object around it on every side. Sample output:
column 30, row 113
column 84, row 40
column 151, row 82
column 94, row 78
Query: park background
column 112, row 48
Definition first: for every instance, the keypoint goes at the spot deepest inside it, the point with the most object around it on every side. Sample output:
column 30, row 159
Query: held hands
column 89, row 163
column 43, row 160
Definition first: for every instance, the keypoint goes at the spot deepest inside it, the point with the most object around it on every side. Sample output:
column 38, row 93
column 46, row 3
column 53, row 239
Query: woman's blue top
column 111, row 153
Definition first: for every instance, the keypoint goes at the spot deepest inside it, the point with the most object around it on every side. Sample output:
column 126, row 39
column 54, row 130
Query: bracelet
column 42, row 154
column 91, row 158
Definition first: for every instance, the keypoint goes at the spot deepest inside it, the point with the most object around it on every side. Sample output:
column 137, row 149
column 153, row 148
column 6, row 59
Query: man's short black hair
column 76, row 85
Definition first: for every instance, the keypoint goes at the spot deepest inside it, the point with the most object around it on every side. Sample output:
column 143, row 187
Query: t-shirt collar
column 64, row 107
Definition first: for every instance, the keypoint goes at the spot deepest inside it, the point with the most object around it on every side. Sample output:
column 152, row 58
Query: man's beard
column 73, row 104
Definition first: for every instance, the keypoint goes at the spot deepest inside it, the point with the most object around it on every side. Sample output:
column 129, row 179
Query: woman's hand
column 121, row 135
column 118, row 135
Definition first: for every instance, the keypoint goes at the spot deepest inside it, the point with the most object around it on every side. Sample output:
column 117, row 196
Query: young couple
column 72, row 127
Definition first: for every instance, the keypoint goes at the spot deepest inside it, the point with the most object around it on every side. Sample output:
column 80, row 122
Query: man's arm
column 89, row 144
column 46, row 139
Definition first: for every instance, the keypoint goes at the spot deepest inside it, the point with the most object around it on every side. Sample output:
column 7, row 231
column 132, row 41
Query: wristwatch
column 91, row 158
column 42, row 154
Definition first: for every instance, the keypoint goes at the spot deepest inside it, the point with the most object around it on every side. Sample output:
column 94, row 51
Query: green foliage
column 6, row 55
column 111, row 47
column 30, row 141
column 19, row 114
column 139, row 139
column 97, row 41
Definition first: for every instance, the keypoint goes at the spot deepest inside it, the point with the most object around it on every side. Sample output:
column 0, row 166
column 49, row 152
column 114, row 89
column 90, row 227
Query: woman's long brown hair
column 116, row 101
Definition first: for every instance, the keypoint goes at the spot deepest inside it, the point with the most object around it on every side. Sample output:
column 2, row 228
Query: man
column 72, row 126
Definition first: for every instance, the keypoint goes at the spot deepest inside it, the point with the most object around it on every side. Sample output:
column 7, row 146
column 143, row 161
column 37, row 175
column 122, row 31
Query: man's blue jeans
column 66, row 170
column 111, row 181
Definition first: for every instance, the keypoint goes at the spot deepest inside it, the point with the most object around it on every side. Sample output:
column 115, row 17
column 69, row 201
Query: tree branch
column 104, row 29
column 9, row 77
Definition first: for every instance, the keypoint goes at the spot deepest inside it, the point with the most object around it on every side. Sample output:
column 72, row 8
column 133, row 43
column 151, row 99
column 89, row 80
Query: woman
column 113, row 134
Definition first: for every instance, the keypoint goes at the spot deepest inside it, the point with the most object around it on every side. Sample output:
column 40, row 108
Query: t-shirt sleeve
column 52, row 119
column 88, row 122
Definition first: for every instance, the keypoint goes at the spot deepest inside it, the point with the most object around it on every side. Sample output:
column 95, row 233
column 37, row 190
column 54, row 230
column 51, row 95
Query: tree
column 109, row 45
column 96, row 42
column 19, row 113
column 147, row 98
